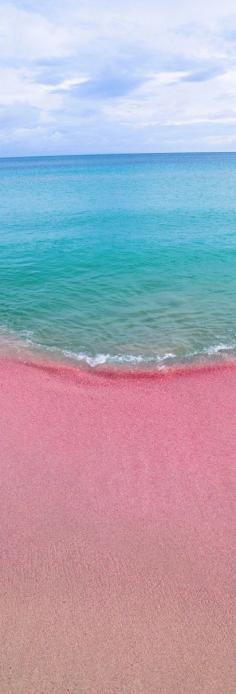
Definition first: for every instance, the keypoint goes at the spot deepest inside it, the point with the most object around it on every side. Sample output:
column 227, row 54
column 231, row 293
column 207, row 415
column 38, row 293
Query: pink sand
column 117, row 520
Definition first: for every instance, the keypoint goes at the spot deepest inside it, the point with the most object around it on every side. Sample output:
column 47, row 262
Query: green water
column 119, row 259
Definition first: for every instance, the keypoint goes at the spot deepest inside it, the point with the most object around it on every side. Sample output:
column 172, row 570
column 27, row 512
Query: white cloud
column 28, row 35
column 67, row 84
column 115, row 76
column 18, row 86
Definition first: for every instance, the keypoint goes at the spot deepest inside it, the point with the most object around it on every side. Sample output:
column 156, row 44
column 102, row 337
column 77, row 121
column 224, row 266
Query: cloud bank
column 87, row 77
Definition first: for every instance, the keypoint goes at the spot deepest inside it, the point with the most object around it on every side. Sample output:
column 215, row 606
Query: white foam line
column 24, row 338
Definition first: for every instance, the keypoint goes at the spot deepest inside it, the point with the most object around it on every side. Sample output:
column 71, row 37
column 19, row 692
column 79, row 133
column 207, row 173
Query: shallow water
column 126, row 259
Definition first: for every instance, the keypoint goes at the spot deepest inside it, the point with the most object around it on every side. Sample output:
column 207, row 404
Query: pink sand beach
column 117, row 523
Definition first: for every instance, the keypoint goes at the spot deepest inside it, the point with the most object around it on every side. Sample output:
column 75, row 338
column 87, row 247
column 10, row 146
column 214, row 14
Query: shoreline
column 116, row 372
column 117, row 517
column 22, row 347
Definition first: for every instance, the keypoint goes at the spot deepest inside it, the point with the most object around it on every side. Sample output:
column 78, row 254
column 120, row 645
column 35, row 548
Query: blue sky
column 125, row 76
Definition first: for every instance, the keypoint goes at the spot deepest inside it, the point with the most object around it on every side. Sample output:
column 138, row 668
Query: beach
column 117, row 521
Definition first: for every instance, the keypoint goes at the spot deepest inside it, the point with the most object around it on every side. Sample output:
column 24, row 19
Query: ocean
column 125, row 260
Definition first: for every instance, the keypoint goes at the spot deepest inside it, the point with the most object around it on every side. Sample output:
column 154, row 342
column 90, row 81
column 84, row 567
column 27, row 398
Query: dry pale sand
column 117, row 524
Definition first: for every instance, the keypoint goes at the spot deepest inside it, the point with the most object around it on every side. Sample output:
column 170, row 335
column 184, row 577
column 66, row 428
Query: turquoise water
column 125, row 259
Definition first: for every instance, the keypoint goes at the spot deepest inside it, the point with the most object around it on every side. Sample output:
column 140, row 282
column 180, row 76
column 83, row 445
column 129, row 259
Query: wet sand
column 117, row 530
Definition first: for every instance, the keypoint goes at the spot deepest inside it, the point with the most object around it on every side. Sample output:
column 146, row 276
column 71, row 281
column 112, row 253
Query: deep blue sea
column 124, row 259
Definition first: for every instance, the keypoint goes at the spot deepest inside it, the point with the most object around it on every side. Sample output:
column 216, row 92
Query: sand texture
column 117, row 531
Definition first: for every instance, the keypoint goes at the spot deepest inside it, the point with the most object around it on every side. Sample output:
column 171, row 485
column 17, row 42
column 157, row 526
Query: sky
column 106, row 76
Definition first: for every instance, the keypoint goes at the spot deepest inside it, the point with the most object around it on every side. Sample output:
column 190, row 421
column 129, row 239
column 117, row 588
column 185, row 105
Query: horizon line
column 114, row 154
